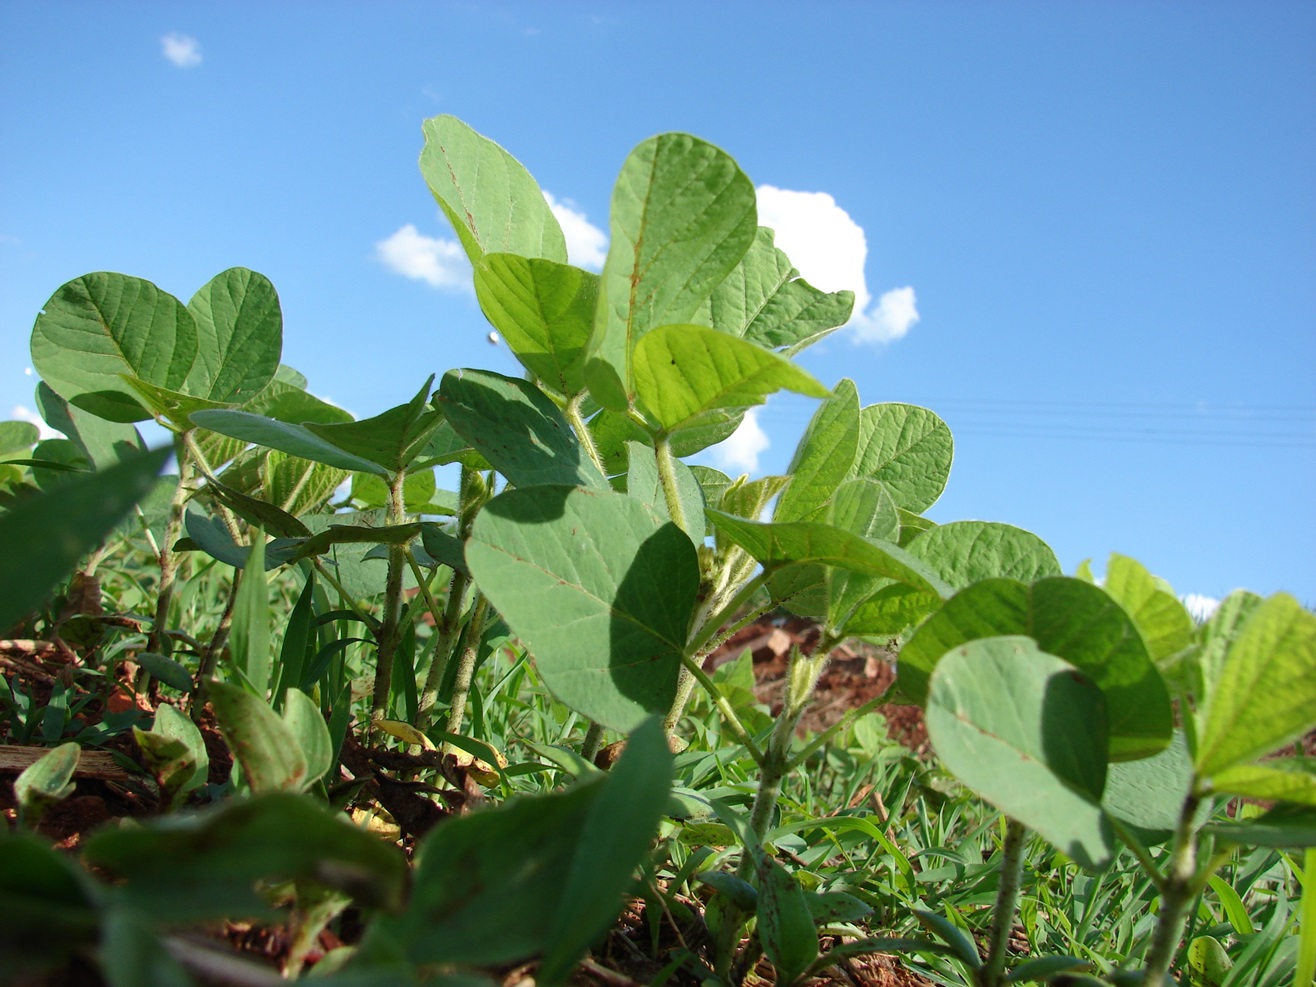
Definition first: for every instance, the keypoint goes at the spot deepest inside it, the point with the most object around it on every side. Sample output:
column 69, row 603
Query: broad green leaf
column 165, row 670
column 545, row 313
column 776, row 544
column 249, row 637
column 1148, row 794
column 46, row 781
column 239, row 329
column 1208, row 963
column 174, row 406
column 394, row 439
column 296, row 440
column 891, row 611
column 344, row 534
column 18, row 436
column 361, row 576
column 685, row 371
column 270, row 757
column 1068, row 618
column 964, row 552
column 1217, row 637
column 55, row 462
column 443, row 546
column 299, row 485
column 101, row 326
column 515, row 426
column 749, row 498
column 131, row 953
column 616, row 836
column 498, row 869
column 256, row 512
column 765, row 301
column 683, row 215
column 1288, row 826
column 909, row 449
column 102, row 443
column 862, row 507
column 1027, row 733
column 599, row 587
column 206, row 864
column 306, row 725
column 1266, row 696
column 1285, row 779
column 1166, row 625
column 45, row 535
column 786, row 926
column 823, row 458
column 209, row 534
column 487, row 195
column 418, row 490
column 174, row 752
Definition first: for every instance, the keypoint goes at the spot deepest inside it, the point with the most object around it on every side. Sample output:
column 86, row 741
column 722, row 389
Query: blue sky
column 1086, row 231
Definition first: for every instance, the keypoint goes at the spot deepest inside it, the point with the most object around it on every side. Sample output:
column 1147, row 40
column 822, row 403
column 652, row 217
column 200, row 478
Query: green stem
column 589, row 748
column 449, row 624
column 168, row 559
column 1007, row 903
column 723, row 707
column 386, row 643
column 581, row 428
column 667, row 477
column 1176, row 893
column 461, row 686
column 206, row 667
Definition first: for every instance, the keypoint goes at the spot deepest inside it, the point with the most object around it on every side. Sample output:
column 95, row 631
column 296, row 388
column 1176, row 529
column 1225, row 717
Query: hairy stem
column 1177, row 889
column 387, row 641
column 448, row 626
column 581, row 428
column 589, row 748
column 1007, row 902
column 667, row 477
column 461, row 686
column 156, row 640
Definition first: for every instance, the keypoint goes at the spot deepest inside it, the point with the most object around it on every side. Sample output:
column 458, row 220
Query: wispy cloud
column 739, row 452
column 587, row 245
column 829, row 249
column 181, row 49
column 438, row 262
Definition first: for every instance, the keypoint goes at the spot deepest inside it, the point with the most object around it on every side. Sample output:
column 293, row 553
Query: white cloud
column 829, row 249
column 1201, row 607
column 587, row 245
column 739, row 452
column 181, row 49
column 441, row 263
column 22, row 413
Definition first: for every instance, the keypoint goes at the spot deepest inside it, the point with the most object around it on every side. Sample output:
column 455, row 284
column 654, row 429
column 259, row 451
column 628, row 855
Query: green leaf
column 175, row 753
column 1208, row 963
column 545, row 313
column 862, row 507
column 891, row 611
column 643, row 483
column 44, row 782
column 250, row 634
column 487, row 195
column 394, row 439
column 616, row 835
column 777, row 544
column 306, row 725
column 1217, row 637
column 1266, row 695
column 18, row 436
column 239, row 336
column 1286, row 779
column 1071, row 619
column 1027, row 732
column 515, row 426
column 745, row 497
column 683, row 215
column 958, row 942
column 344, row 534
column 270, row 757
column 166, row 670
column 102, row 443
column 685, row 371
column 1285, row 826
column 824, row 457
column 45, row 535
column 1148, row 794
column 443, row 546
column 599, row 587
column 98, row 327
column 296, row 440
column 206, row 864
column 1166, row 625
column 964, row 552
column 786, row 927
column 907, row 448
column 765, row 301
